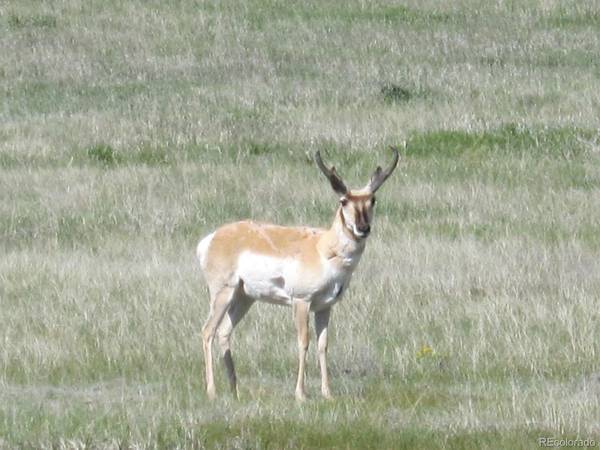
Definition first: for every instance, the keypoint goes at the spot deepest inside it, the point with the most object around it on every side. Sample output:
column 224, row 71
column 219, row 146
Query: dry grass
column 128, row 131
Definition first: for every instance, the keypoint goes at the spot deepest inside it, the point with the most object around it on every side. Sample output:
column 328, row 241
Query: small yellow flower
column 425, row 351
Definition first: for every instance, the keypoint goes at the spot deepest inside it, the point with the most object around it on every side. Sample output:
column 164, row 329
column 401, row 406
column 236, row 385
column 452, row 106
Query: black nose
column 366, row 229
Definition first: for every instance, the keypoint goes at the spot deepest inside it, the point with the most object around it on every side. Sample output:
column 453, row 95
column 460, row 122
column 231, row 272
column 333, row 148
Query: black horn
column 380, row 175
column 336, row 182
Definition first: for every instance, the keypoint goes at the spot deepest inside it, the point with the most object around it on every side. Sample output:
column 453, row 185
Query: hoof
column 211, row 394
column 300, row 397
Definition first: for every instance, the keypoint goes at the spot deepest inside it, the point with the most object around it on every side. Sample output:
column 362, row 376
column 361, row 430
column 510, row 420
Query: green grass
column 129, row 130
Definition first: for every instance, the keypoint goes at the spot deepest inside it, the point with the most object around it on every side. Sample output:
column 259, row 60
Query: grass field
column 129, row 130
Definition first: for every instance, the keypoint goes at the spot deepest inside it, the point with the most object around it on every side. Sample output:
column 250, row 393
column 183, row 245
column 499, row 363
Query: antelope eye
column 343, row 201
column 373, row 201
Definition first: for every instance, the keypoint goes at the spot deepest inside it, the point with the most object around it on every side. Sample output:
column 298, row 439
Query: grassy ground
column 128, row 130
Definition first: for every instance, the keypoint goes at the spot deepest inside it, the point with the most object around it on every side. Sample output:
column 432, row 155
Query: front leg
column 321, row 325
column 301, row 312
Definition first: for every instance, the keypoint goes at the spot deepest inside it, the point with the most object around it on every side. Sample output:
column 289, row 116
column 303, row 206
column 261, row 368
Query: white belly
column 277, row 280
column 267, row 278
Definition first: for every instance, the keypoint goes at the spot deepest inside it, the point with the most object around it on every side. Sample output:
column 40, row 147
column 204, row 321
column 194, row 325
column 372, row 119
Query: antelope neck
column 340, row 241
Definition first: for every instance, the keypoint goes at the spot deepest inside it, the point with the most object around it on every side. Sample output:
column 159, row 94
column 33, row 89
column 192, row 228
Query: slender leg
column 301, row 310
column 238, row 309
column 321, row 325
column 218, row 309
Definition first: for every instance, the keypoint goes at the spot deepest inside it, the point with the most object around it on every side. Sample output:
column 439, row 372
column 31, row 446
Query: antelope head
column 357, row 206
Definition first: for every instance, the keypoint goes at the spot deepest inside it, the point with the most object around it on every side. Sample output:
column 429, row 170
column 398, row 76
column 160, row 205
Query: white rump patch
column 202, row 249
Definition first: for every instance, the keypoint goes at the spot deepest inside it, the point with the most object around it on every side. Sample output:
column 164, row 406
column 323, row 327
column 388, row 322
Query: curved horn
column 380, row 175
column 336, row 182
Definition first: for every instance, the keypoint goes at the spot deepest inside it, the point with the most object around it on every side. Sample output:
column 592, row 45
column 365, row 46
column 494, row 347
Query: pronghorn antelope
column 306, row 268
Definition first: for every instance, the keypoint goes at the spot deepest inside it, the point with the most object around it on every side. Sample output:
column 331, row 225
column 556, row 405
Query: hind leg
column 221, row 302
column 237, row 310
